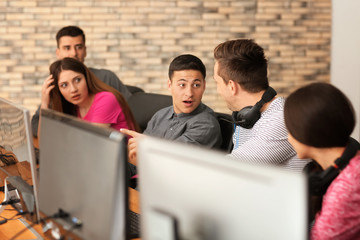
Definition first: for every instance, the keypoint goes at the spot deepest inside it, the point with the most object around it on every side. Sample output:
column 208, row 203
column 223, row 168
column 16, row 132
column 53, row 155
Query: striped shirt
column 267, row 141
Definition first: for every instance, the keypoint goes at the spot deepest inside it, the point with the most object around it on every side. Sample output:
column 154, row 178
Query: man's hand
column 132, row 144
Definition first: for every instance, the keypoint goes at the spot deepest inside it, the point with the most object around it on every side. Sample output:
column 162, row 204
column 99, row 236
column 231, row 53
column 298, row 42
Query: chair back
column 134, row 89
column 144, row 105
column 227, row 129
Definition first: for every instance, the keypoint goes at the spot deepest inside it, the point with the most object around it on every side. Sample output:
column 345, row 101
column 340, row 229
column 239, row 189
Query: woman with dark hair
column 320, row 119
column 73, row 89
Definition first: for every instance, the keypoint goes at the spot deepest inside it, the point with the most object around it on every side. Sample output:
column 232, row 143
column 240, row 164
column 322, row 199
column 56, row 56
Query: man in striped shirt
column 260, row 136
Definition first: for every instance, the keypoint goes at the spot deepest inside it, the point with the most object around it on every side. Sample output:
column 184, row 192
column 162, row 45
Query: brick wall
column 137, row 39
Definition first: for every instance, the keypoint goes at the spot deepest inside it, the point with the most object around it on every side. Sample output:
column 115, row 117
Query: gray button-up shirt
column 199, row 127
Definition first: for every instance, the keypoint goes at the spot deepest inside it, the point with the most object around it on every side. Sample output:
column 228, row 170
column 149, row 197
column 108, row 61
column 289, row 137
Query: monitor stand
column 8, row 195
column 14, row 195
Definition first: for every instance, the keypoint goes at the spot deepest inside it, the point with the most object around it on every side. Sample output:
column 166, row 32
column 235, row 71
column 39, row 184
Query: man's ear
column 169, row 84
column 57, row 52
column 233, row 87
column 85, row 52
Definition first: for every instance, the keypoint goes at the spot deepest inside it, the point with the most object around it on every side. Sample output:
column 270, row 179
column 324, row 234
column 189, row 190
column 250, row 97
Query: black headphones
column 319, row 182
column 249, row 115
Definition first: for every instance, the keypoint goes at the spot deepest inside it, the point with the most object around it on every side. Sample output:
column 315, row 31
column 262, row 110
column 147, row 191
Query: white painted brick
column 137, row 40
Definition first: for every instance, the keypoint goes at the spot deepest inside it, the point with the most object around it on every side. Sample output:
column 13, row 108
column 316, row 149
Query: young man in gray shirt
column 188, row 120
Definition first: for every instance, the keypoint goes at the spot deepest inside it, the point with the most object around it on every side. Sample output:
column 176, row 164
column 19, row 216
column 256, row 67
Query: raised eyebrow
column 77, row 76
column 182, row 80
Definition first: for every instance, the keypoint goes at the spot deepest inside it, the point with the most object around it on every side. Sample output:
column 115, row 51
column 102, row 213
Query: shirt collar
column 172, row 114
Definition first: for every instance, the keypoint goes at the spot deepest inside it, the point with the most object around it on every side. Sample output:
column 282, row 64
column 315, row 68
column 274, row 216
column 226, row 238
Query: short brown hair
column 243, row 61
column 187, row 62
column 72, row 31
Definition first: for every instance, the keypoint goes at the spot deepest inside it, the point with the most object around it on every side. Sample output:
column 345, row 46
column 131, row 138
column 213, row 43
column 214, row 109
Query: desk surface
column 12, row 227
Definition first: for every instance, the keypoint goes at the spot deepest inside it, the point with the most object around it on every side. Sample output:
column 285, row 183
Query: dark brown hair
column 187, row 62
column 243, row 61
column 319, row 115
column 71, row 31
column 95, row 85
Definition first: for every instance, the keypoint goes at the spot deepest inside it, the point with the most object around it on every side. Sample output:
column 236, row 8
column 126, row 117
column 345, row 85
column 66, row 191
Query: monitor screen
column 187, row 192
column 83, row 173
column 17, row 152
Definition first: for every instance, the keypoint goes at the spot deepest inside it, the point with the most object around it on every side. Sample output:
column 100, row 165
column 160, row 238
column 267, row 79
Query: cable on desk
column 59, row 214
column 9, row 202
column 5, row 220
column 7, row 159
column 16, row 215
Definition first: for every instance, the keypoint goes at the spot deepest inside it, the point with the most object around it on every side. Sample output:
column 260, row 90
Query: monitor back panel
column 211, row 196
column 82, row 171
column 16, row 143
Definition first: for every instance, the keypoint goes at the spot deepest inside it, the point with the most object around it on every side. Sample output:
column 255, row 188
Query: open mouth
column 76, row 97
column 188, row 103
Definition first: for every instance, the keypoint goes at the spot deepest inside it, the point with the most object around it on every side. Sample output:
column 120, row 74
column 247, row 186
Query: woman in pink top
column 320, row 119
column 73, row 89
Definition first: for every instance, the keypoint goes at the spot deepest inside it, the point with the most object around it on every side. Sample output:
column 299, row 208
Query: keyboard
column 134, row 224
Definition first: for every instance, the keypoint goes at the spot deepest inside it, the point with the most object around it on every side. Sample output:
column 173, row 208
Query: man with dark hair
column 188, row 119
column 71, row 43
column 260, row 136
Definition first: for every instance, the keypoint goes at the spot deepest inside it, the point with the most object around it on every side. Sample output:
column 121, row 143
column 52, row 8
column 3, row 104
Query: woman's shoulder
column 355, row 164
column 104, row 95
column 104, row 98
column 351, row 172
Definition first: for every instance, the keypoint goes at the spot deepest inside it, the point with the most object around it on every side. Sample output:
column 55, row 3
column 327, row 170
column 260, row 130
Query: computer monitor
column 187, row 192
column 83, row 173
column 18, row 156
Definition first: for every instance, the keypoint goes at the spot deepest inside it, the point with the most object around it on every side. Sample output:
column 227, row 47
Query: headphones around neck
column 319, row 182
column 249, row 115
